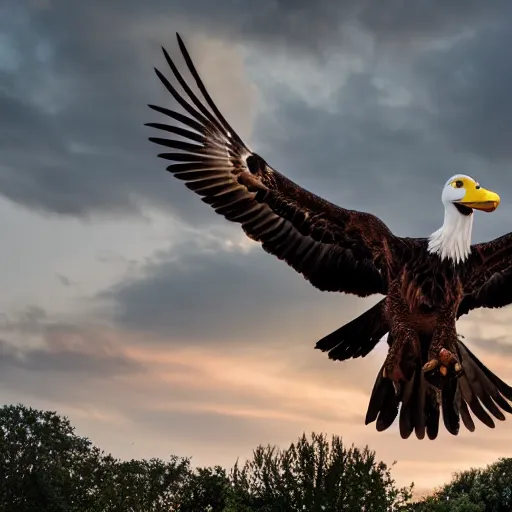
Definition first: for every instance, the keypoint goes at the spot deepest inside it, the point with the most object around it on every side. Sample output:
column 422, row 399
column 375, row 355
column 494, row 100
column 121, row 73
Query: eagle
column 427, row 283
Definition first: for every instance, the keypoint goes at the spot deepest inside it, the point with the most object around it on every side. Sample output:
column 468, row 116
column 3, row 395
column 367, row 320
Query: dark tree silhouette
column 475, row 490
column 46, row 467
column 43, row 464
column 316, row 475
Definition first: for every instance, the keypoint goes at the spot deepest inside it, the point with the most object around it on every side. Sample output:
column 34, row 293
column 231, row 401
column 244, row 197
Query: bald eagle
column 428, row 283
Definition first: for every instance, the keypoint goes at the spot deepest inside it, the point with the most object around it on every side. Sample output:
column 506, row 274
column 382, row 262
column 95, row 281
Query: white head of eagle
column 461, row 195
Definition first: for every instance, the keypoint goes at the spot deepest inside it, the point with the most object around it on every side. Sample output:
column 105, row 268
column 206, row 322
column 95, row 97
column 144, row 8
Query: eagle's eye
column 459, row 184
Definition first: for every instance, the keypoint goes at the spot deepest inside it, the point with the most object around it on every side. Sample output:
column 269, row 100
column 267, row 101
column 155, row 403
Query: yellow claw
column 430, row 365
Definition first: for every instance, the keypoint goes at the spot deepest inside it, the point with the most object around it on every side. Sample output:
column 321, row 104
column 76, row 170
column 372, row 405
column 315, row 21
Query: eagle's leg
column 405, row 344
column 442, row 353
column 392, row 369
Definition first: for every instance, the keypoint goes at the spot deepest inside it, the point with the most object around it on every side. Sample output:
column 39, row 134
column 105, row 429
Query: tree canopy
column 475, row 490
column 45, row 466
column 315, row 475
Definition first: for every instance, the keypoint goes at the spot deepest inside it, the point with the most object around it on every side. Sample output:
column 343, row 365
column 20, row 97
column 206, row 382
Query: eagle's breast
column 430, row 284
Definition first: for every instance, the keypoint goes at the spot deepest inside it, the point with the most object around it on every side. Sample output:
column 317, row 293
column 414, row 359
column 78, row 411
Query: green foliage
column 314, row 475
column 43, row 464
column 461, row 503
column 475, row 490
column 206, row 489
column 140, row 485
column 46, row 467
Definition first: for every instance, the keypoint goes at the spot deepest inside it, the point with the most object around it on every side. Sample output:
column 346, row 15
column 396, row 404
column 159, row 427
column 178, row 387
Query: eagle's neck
column 453, row 239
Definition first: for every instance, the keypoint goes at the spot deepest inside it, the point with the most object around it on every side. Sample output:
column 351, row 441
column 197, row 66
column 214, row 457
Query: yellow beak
column 480, row 199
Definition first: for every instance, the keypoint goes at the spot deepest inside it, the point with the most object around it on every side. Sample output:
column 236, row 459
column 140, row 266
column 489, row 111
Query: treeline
column 46, row 467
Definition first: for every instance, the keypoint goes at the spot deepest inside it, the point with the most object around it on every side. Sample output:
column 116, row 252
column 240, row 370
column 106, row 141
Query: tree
column 46, row 467
column 205, row 490
column 475, row 490
column 43, row 463
column 141, row 485
column 314, row 475
column 460, row 504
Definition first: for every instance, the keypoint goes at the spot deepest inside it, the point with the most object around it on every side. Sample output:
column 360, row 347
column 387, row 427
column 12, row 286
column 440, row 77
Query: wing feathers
column 178, row 131
column 204, row 92
column 190, row 94
column 177, row 117
column 185, row 105
column 335, row 249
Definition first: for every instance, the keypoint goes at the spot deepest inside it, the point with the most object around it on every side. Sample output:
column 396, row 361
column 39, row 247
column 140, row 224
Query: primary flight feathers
column 335, row 249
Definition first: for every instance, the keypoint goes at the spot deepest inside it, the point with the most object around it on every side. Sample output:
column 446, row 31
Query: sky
column 155, row 325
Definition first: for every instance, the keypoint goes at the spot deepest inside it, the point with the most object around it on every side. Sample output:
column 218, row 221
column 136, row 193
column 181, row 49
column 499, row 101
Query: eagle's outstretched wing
column 489, row 281
column 334, row 248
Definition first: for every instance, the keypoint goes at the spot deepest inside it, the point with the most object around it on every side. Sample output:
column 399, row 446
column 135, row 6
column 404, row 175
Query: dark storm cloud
column 77, row 90
column 74, row 84
column 366, row 154
column 470, row 86
column 75, row 79
column 214, row 296
column 346, row 155
column 314, row 26
column 413, row 20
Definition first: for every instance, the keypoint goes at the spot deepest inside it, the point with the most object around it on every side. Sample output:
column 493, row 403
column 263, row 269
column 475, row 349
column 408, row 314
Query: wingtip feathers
column 164, row 51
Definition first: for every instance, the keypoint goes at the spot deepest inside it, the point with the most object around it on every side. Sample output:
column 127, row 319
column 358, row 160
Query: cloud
column 65, row 281
column 28, row 321
column 302, row 26
column 75, row 94
column 469, row 87
column 499, row 346
column 209, row 293
column 244, row 397
column 396, row 20
column 69, row 361
column 36, row 344
column 75, row 87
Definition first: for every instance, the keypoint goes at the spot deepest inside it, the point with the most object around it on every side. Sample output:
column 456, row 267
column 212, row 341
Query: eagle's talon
column 447, row 362
column 430, row 365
